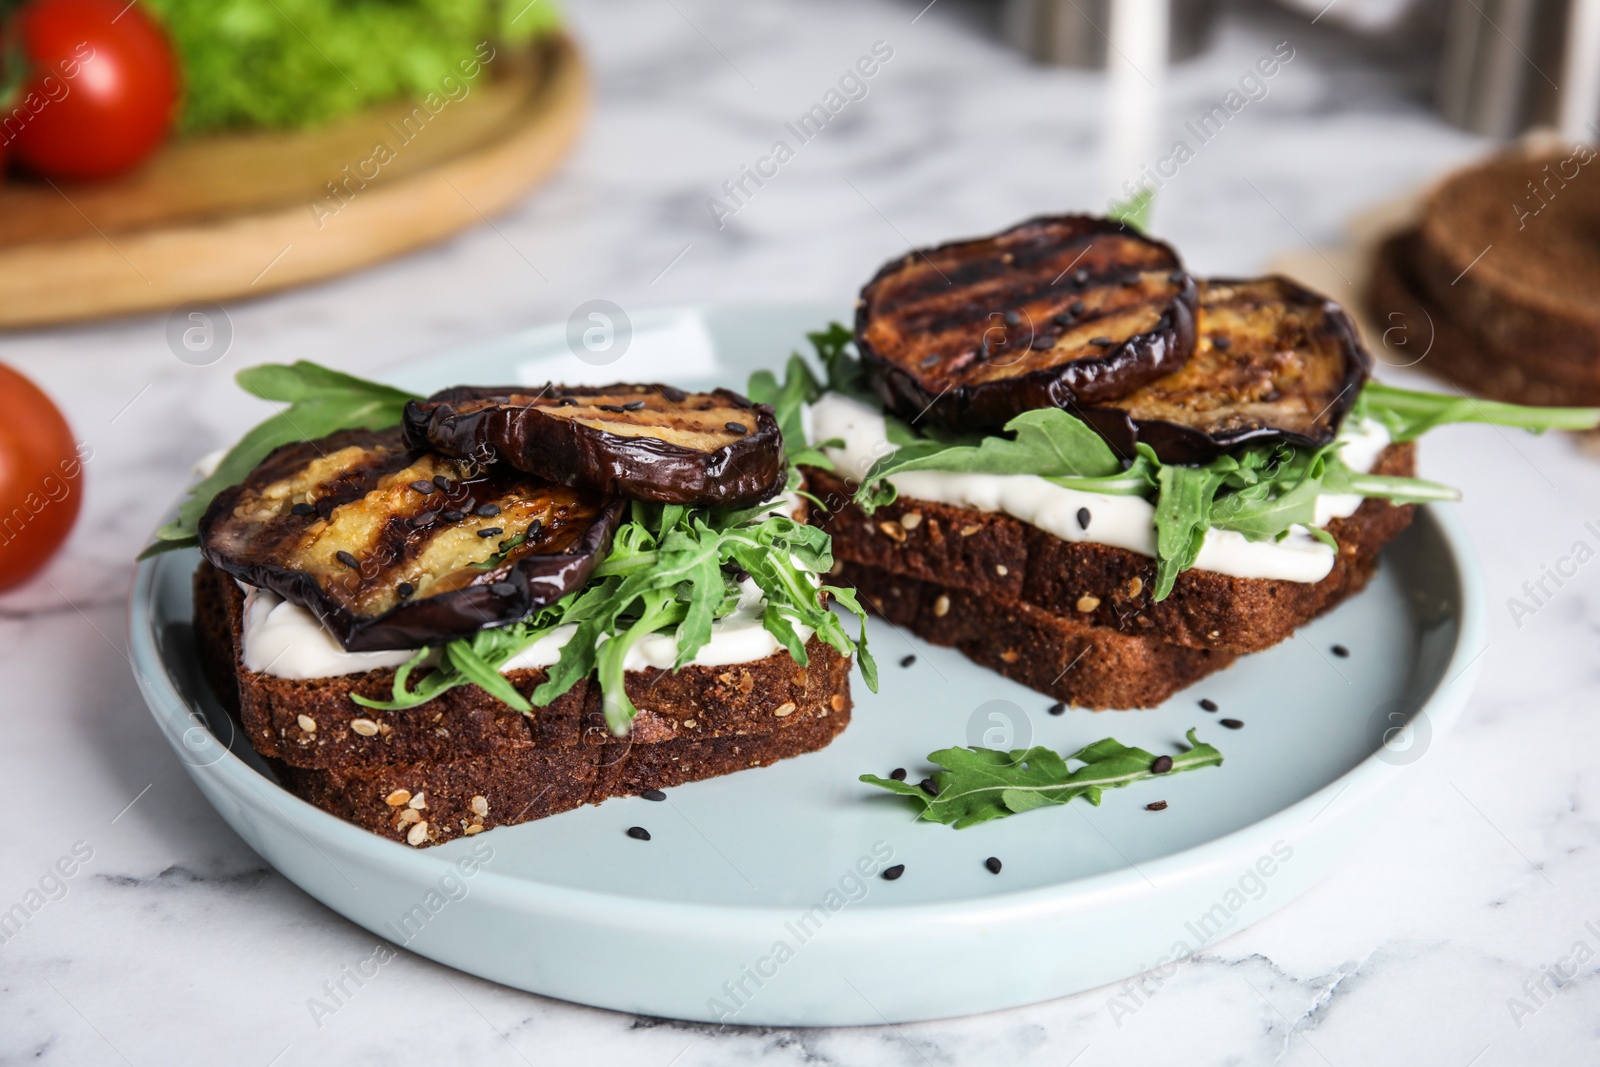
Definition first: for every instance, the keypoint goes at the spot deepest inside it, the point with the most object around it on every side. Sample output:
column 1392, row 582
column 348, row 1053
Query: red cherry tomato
column 100, row 90
column 41, row 478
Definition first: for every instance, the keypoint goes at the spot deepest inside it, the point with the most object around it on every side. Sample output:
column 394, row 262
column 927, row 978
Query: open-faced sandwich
column 438, row 615
column 1056, row 451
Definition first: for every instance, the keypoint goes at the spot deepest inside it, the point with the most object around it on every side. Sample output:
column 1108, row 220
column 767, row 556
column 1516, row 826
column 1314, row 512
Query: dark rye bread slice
column 1449, row 346
column 1075, row 662
column 695, row 703
column 1508, row 249
column 464, row 797
column 997, row 556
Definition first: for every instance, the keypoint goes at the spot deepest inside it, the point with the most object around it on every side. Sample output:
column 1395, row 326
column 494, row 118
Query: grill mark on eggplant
column 250, row 531
column 679, row 448
column 990, row 311
column 1275, row 362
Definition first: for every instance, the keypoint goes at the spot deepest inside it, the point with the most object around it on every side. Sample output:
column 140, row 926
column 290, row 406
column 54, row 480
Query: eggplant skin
column 339, row 526
column 644, row 441
column 1274, row 362
column 1059, row 311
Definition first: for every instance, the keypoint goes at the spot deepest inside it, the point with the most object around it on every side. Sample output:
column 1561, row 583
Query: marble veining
column 1465, row 932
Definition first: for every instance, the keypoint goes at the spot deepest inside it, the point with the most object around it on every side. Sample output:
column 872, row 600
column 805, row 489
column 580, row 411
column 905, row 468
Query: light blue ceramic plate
column 748, row 905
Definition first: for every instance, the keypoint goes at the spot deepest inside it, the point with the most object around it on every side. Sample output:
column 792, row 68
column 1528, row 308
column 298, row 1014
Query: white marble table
column 173, row 944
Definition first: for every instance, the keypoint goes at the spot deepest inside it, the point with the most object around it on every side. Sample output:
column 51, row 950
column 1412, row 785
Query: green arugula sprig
column 320, row 401
column 668, row 571
column 1260, row 491
column 980, row 784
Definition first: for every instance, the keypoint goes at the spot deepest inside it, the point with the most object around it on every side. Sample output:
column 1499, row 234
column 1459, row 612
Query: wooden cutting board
column 239, row 215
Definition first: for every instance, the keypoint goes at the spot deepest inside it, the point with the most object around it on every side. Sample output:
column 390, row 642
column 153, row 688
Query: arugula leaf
column 980, row 784
column 320, row 402
column 1047, row 442
column 788, row 400
column 1134, row 212
column 1409, row 414
column 667, row 572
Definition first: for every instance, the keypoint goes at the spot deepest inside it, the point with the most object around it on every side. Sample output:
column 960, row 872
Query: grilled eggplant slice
column 1055, row 312
column 1273, row 362
column 649, row 442
column 395, row 548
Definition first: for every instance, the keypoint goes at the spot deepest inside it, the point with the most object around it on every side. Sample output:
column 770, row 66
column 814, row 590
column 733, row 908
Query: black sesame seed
column 488, row 511
column 1209, row 704
column 1078, row 306
column 1101, row 342
column 348, row 560
column 1080, row 277
column 898, row 774
column 443, row 483
column 1341, row 651
column 993, row 863
column 1130, row 280
column 908, row 661
column 424, row 518
column 1042, row 341
column 735, row 427
column 404, row 590
column 891, row 873
column 638, row 833
column 566, row 402
column 425, row 488
column 1066, row 318
column 534, row 527
column 672, row 393
column 1083, row 518
column 452, row 515
column 1156, row 805
column 653, row 794
column 1232, row 724
column 1176, row 277
column 927, row 785
column 490, row 531
column 302, row 509
column 618, row 408
column 930, row 360
column 502, row 588
column 1012, row 318
column 1162, row 765
column 633, row 405
column 1058, row 709
column 1221, row 344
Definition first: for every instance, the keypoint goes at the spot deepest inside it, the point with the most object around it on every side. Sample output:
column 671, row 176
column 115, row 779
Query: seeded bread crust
column 1459, row 352
column 465, row 763
column 464, row 797
column 1076, row 662
column 995, row 556
column 695, row 703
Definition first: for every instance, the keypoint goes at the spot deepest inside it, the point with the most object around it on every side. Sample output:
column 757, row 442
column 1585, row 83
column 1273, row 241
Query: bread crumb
column 784, row 709
column 941, row 607
column 417, row 835
column 1087, row 603
column 397, row 798
column 911, row 520
column 307, row 723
